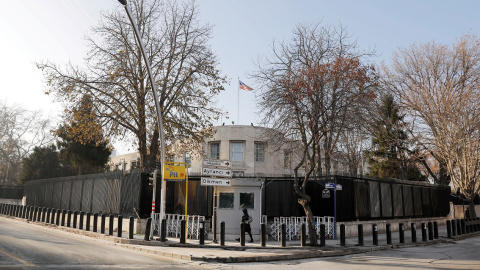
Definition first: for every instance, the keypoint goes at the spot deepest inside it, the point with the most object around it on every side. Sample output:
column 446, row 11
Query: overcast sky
column 36, row 30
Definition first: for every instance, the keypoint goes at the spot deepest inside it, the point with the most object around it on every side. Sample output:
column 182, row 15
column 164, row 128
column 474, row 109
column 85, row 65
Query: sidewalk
column 232, row 252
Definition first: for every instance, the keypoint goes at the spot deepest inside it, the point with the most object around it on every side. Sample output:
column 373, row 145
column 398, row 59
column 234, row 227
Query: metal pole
column 158, row 109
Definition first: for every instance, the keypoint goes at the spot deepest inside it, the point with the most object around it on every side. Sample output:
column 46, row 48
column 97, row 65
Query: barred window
column 259, row 152
column 215, row 150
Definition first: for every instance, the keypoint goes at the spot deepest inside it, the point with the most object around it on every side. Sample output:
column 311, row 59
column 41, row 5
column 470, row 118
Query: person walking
column 246, row 220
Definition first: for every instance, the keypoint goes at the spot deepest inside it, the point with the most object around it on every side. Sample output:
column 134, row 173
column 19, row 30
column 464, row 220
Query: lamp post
column 159, row 114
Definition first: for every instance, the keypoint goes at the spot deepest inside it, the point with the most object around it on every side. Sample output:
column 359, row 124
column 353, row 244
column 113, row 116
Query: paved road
column 30, row 246
column 465, row 254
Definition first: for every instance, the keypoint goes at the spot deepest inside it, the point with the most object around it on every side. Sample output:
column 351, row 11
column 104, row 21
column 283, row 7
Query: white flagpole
column 238, row 102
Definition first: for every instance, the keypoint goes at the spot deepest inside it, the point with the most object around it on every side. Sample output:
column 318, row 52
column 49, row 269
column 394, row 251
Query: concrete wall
column 457, row 211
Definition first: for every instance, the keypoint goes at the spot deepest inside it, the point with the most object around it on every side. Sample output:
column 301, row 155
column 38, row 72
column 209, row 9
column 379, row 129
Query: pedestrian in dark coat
column 246, row 220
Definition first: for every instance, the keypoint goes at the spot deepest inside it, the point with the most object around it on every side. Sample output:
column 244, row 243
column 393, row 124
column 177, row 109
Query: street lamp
column 159, row 113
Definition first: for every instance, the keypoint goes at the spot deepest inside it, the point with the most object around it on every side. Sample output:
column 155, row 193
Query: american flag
column 244, row 86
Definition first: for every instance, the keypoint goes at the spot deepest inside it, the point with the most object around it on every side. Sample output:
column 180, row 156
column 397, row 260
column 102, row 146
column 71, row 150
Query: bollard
column 47, row 219
column 130, row 227
column 322, row 235
column 464, row 228
column 435, row 230
column 430, row 230
column 35, row 210
column 24, row 209
column 263, row 232
column 242, row 234
column 414, row 232
column 360, row 234
column 58, row 217
column 64, row 214
column 424, row 232
column 17, row 210
column 147, row 229
column 75, row 213
column 163, row 231
column 202, row 233
column 44, row 212
column 449, row 229
column 95, row 222
column 110, row 224
column 283, row 235
column 80, row 225
column 119, row 226
column 342, row 235
column 454, row 227
column 388, row 229
column 303, row 236
column 39, row 214
column 222, row 233
column 31, row 214
column 375, row 234
column 102, row 224
column 69, row 218
column 459, row 227
column 87, row 226
column 467, row 227
column 478, row 224
column 183, row 237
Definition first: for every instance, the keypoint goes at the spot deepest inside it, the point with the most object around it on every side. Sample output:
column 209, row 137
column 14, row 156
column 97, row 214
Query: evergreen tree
column 390, row 156
column 41, row 164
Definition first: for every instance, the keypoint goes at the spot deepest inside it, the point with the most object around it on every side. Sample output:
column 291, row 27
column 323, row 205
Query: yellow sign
column 174, row 173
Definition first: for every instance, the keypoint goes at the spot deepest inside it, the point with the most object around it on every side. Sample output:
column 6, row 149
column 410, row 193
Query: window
column 247, row 200
column 286, row 160
column 225, row 201
column 259, row 152
column 188, row 160
column 215, row 150
column 236, row 153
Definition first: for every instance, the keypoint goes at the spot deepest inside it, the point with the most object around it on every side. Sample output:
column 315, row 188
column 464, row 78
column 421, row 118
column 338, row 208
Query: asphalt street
column 26, row 246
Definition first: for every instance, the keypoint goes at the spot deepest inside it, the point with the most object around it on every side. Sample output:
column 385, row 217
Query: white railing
column 173, row 223
column 294, row 225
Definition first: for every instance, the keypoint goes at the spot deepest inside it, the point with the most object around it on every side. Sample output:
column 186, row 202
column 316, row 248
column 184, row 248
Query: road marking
column 25, row 263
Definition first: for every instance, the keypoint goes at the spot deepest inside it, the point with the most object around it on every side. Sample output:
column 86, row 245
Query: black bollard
column 39, row 214
column 87, row 225
column 80, row 225
column 119, row 226
column 242, row 234
column 58, row 217
column 183, row 237
column 95, row 222
column 283, row 235
column 467, row 227
column 430, row 230
column 110, row 224
column 449, row 229
column 388, row 229
column 322, row 235
column 459, row 227
column 464, row 228
column 435, row 230
column 75, row 214
column 424, row 232
column 202, row 233
column 147, row 229
column 69, row 218
column 35, row 212
column 263, row 232
column 44, row 213
column 454, row 227
column 413, row 230
column 102, row 224
column 303, row 236
column 163, row 231
column 360, row 234
column 375, row 234
column 342, row 235
column 47, row 218
column 64, row 215
column 31, row 213
column 222, row 233
column 130, row 227
column 24, row 209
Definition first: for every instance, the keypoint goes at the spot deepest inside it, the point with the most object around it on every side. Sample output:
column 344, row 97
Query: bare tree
column 115, row 75
column 439, row 86
column 21, row 130
column 309, row 87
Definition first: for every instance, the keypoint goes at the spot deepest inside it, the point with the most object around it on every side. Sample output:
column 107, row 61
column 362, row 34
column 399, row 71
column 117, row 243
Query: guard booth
column 242, row 193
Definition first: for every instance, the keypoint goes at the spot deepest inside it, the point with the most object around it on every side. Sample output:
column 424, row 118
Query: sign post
column 177, row 171
column 335, row 188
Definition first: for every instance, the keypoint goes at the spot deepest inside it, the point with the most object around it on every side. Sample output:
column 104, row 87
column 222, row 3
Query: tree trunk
column 312, row 233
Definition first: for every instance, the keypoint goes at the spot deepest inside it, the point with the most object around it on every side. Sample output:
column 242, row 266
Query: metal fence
column 293, row 226
column 103, row 193
column 173, row 225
